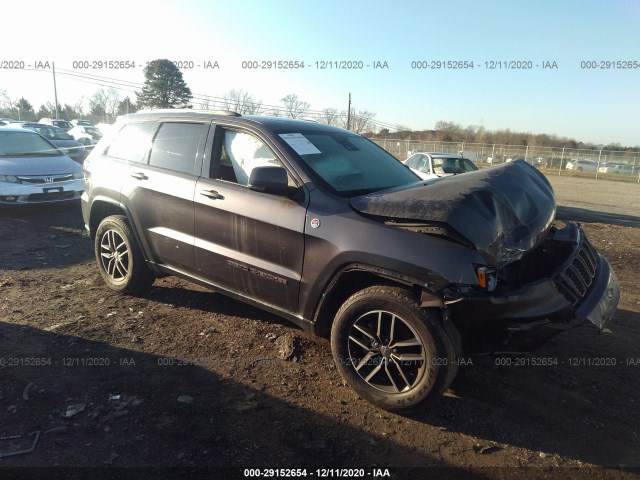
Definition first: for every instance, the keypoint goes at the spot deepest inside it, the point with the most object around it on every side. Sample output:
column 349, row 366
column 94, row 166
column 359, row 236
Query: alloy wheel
column 386, row 352
column 114, row 255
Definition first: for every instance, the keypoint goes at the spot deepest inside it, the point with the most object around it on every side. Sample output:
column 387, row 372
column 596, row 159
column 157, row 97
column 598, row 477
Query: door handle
column 139, row 175
column 214, row 195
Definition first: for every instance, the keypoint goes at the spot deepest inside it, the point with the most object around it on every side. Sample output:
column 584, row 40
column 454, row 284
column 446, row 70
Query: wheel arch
column 103, row 207
column 355, row 277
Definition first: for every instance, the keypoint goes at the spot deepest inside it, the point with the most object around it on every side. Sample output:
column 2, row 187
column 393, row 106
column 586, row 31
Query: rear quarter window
column 133, row 142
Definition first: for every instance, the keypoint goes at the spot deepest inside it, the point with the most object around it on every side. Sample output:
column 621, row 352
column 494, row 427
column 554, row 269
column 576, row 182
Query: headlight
column 78, row 175
column 487, row 277
column 9, row 178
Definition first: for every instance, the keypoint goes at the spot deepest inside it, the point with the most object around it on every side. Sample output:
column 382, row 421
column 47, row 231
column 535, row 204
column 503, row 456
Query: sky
column 571, row 99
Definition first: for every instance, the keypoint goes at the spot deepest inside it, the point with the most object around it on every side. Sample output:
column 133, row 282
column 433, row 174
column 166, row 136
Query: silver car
column 33, row 170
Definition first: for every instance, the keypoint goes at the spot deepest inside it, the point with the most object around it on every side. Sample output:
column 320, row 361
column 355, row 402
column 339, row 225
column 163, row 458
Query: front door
column 248, row 242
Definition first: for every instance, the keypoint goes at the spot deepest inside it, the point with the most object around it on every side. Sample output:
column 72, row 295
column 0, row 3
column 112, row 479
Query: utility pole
column 55, row 89
column 349, row 114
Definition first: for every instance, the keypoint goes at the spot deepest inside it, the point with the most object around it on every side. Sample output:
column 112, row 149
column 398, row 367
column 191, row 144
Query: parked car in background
column 435, row 165
column 60, row 139
column 86, row 123
column 56, row 122
column 582, row 166
column 540, row 162
column 33, row 170
column 86, row 135
column 615, row 168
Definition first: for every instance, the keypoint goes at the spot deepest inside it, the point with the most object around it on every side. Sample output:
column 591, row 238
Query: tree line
column 447, row 131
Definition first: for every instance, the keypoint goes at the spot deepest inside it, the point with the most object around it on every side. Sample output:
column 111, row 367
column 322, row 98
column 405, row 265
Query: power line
column 129, row 86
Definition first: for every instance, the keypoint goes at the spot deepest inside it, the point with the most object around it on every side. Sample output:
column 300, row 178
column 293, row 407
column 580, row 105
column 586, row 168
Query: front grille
column 50, row 197
column 575, row 277
column 45, row 179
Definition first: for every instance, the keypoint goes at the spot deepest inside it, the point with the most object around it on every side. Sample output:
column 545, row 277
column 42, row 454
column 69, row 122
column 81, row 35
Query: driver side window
column 240, row 154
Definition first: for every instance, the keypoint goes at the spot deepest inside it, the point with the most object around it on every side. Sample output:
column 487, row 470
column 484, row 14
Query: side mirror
column 272, row 180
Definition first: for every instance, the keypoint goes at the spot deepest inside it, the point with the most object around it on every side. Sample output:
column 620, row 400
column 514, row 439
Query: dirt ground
column 185, row 381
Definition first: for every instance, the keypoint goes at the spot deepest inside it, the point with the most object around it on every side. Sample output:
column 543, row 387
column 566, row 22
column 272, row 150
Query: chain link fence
column 604, row 164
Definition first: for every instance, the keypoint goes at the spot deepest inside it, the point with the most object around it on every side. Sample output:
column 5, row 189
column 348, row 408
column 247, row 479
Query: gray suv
column 324, row 228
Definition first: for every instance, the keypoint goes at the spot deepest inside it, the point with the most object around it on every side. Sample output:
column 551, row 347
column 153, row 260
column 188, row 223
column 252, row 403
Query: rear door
column 160, row 189
column 249, row 242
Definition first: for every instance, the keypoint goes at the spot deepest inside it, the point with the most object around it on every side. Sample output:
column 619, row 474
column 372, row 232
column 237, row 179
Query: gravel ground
column 193, row 382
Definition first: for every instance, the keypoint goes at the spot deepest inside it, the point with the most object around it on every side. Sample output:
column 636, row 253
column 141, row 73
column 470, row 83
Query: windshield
column 452, row 165
column 27, row 144
column 348, row 164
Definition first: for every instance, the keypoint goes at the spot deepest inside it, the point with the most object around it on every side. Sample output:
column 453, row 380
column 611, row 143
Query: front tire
column 119, row 258
column 393, row 353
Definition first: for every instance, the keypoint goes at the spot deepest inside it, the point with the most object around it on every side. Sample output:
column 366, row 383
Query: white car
column 85, row 135
column 33, row 170
column 56, row 122
column 428, row 165
column 615, row 168
column 582, row 165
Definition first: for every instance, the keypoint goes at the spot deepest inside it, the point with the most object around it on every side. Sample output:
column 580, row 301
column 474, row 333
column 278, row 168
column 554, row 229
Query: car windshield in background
column 52, row 133
column 25, row 144
column 349, row 164
column 55, row 134
column 453, row 165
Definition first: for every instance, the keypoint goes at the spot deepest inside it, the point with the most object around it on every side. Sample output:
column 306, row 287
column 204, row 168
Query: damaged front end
column 558, row 285
column 535, row 276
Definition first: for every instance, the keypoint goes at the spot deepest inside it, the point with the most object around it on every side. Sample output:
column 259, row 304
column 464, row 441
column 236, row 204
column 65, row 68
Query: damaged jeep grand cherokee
column 324, row 228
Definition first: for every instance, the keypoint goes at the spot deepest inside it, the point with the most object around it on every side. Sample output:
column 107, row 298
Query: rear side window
column 132, row 142
column 176, row 146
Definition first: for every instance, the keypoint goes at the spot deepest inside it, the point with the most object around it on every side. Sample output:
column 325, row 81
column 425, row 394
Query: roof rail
column 228, row 113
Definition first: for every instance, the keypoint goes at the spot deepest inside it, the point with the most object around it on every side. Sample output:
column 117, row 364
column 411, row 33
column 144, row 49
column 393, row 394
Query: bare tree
column 98, row 106
column 294, row 107
column 449, row 131
column 361, row 120
column 8, row 105
column 79, row 107
column 112, row 101
column 242, row 101
column 330, row 116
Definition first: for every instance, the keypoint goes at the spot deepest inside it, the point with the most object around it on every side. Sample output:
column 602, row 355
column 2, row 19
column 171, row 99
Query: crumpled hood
column 504, row 211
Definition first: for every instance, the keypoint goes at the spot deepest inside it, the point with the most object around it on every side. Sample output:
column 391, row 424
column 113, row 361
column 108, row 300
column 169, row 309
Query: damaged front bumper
column 579, row 287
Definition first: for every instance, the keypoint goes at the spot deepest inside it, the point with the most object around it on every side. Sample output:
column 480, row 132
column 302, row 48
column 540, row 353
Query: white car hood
column 44, row 165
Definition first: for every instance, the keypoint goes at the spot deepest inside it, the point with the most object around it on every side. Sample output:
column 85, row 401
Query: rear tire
column 119, row 258
column 393, row 353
